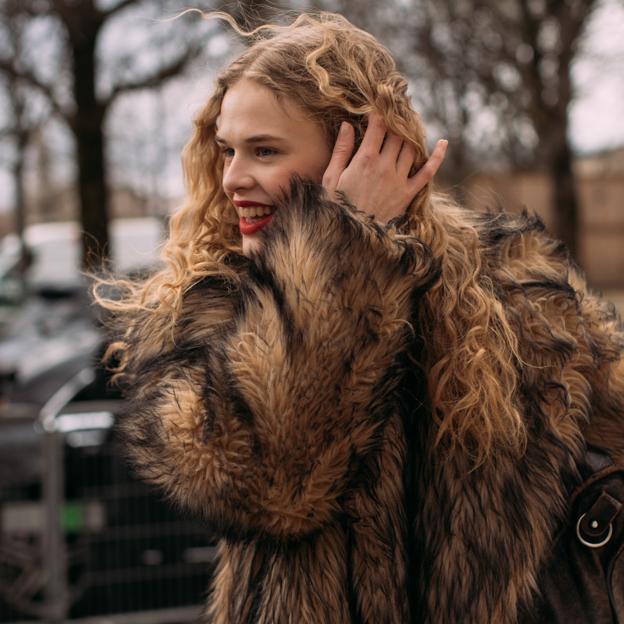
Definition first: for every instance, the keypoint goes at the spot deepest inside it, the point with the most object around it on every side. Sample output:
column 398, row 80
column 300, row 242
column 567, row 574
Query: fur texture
column 291, row 412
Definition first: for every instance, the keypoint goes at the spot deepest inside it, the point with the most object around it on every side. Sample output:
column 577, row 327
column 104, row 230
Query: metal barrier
column 89, row 543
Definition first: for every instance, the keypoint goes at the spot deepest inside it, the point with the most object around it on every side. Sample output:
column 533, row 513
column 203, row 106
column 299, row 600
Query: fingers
column 429, row 169
column 391, row 148
column 406, row 159
column 343, row 149
column 374, row 135
column 378, row 140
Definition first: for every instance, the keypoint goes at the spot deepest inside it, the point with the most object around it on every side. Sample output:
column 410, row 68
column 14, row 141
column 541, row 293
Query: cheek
column 320, row 171
column 278, row 181
column 319, row 165
column 314, row 169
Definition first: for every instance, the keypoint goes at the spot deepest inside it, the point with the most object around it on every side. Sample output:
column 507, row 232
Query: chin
column 250, row 244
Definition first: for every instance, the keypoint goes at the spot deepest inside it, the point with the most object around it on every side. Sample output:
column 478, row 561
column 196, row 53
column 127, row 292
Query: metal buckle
column 592, row 544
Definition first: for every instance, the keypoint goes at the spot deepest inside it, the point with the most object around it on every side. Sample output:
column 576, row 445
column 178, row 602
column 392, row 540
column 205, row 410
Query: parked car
column 79, row 535
column 45, row 316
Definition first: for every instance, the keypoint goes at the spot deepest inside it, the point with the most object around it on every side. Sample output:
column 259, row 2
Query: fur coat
column 290, row 411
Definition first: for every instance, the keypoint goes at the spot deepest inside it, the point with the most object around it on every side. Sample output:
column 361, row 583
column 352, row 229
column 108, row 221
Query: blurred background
column 96, row 102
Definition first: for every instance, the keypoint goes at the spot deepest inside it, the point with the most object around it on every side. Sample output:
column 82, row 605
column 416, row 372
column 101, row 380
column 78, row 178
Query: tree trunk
column 20, row 202
column 565, row 200
column 88, row 128
column 93, row 190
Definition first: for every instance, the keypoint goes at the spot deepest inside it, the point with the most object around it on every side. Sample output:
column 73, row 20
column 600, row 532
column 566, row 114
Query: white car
column 56, row 250
column 46, row 319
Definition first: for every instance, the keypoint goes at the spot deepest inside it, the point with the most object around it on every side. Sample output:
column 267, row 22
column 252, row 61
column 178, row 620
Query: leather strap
column 595, row 527
column 594, row 524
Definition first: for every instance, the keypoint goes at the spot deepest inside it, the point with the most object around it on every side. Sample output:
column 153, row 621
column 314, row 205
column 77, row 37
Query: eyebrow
column 256, row 138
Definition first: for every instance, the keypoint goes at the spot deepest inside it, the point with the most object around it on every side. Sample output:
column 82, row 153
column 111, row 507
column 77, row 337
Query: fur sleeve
column 259, row 422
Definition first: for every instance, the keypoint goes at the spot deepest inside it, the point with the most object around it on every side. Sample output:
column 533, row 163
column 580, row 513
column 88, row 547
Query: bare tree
column 22, row 120
column 77, row 26
column 495, row 75
column 515, row 58
column 18, row 131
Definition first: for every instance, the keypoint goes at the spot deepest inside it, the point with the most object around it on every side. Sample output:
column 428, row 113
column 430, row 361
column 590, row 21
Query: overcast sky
column 597, row 116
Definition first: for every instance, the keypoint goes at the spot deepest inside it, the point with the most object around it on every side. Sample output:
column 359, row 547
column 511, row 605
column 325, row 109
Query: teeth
column 255, row 211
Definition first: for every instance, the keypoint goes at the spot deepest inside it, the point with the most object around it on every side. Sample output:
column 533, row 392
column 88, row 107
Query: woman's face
column 265, row 141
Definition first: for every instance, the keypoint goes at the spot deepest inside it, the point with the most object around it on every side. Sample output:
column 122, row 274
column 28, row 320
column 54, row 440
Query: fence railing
column 83, row 540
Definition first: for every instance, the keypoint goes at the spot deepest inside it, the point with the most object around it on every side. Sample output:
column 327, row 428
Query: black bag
column 584, row 582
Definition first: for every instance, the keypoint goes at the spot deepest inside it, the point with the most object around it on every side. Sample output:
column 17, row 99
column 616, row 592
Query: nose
column 237, row 175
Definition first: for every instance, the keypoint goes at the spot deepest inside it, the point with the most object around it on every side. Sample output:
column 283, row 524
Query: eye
column 263, row 152
column 227, row 152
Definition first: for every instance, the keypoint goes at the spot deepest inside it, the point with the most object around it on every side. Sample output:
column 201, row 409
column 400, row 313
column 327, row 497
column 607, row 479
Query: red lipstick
column 246, row 203
column 250, row 228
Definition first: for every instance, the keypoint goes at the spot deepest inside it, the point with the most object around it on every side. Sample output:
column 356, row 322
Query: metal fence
column 82, row 539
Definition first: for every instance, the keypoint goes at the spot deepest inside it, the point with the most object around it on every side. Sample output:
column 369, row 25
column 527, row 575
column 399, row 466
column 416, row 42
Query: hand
column 377, row 179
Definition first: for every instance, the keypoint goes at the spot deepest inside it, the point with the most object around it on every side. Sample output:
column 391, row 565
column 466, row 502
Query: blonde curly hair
column 337, row 72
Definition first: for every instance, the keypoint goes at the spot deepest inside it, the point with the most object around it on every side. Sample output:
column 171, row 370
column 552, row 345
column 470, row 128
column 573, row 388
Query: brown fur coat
column 292, row 415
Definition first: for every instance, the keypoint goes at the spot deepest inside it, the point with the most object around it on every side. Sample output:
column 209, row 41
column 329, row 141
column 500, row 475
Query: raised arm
column 275, row 391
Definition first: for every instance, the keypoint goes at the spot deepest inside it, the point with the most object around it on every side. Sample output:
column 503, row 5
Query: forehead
column 251, row 108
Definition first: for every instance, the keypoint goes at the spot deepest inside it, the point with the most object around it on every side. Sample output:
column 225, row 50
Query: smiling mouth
column 256, row 213
column 250, row 225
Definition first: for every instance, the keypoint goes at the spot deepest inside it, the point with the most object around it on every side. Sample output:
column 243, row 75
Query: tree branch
column 170, row 70
column 29, row 8
column 29, row 78
column 124, row 4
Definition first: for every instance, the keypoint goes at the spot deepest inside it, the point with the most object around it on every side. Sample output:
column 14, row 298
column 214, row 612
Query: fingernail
column 343, row 128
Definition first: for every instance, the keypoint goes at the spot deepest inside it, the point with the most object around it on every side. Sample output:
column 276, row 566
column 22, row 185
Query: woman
column 377, row 400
